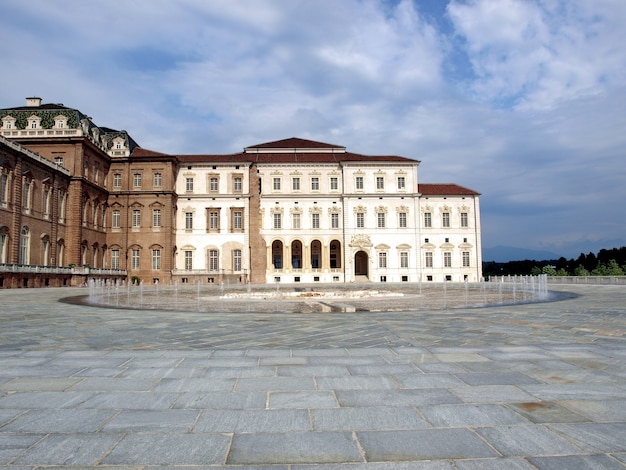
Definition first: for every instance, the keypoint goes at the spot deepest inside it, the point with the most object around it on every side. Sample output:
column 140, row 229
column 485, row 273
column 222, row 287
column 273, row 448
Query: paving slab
column 512, row 386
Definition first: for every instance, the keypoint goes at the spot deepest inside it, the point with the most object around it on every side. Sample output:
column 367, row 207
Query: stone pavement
column 517, row 386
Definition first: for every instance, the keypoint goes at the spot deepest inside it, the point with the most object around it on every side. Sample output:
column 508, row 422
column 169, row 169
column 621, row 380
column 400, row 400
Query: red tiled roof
column 445, row 189
column 293, row 142
column 214, row 158
column 141, row 152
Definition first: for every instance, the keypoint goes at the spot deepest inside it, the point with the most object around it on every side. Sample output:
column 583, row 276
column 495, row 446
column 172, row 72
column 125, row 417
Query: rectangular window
column 4, row 188
column 334, row 220
column 115, row 218
column 466, row 259
column 380, row 182
column 295, row 221
column 401, row 182
column 429, row 259
column 360, row 220
column 115, row 259
column 156, row 217
column 134, row 259
column 137, row 180
column 276, row 184
column 188, row 260
column 464, row 219
column 315, row 221
column 404, row 259
column 46, row 204
column 117, row 181
column 136, row 218
column 238, row 220
column 188, row 220
column 237, row 184
column 58, row 160
column 278, row 221
column 428, row 220
column 359, row 183
column 236, row 260
column 156, row 259
column 157, row 180
column 334, row 183
column 382, row 260
column 213, row 260
column 189, row 185
column 445, row 218
column 315, row 184
column 214, row 184
column 295, row 184
column 402, row 219
column 26, row 200
column 447, row 259
column 380, row 217
column 214, row 220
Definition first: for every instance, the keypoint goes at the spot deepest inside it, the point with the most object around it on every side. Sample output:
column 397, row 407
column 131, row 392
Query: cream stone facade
column 288, row 211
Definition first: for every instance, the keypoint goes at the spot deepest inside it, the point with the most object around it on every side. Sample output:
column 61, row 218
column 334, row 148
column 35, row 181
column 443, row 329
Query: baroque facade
column 288, row 211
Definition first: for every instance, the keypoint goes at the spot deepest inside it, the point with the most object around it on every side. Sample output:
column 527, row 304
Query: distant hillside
column 504, row 254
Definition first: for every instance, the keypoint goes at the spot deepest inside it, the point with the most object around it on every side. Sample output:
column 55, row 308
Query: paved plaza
column 534, row 386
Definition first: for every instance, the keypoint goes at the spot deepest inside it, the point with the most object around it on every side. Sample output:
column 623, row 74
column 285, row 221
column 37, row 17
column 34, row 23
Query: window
column 156, row 218
column 278, row 221
column 115, row 259
column 136, row 218
column 315, row 221
column 401, row 182
column 213, row 260
column 4, row 189
column 380, row 217
column 445, row 218
column 359, row 183
column 157, row 180
column 46, row 203
column 429, row 259
column 236, row 260
column 315, row 184
column 402, row 219
column 58, row 160
column 214, row 220
column 360, row 220
column 382, row 260
column 295, row 184
column 188, row 220
column 380, row 182
column 137, row 180
column 276, row 184
column 404, row 259
column 464, row 219
column 237, row 220
column 189, row 185
column 26, row 197
column 134, row 259
column 156, row 259
column 466, row 259
column 237, row 184
column 188, row 260
column 115, row 218
column 24, row 255
column 334, row 183
column 428, row 220
column 295, row 221
column 117, row 181
column 447, row 259
column 334, row 220
column 214, row 184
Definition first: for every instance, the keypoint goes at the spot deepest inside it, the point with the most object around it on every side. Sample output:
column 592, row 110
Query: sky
column 523, row 101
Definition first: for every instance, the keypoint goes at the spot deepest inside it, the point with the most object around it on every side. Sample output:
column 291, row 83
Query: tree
column 580, row 271
column 549, row 270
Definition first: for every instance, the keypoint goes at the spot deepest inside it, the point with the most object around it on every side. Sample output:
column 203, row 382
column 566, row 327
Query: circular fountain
column 317, row 298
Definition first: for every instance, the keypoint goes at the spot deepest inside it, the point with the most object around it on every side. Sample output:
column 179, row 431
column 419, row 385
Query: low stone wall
column 616, row 280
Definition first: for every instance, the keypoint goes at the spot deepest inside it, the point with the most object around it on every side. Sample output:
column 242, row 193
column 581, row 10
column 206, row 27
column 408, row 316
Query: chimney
column 33, row 102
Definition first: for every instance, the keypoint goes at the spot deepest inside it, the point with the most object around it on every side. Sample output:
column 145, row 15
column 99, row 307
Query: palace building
column 80, row 201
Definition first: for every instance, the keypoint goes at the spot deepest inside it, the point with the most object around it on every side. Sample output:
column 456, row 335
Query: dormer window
column 60, row 122
column 34, row 122
column 8, row 122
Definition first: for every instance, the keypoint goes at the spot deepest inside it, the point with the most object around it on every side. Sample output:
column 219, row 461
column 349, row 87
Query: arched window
column 24, row 246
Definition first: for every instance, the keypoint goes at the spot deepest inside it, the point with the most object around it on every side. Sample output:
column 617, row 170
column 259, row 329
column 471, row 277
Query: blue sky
column 521, row 100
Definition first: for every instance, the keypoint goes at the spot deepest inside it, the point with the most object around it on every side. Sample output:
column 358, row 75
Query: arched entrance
column 296, row 255
column 316, row 254
column 277, row 255
column 361, row 262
